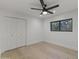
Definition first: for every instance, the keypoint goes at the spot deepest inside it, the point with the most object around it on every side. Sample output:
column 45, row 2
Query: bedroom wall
column 12, row 33
column 65, row 39
column 34, row 30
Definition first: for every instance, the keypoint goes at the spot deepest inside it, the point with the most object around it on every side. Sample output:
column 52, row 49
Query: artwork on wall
column 62, row 25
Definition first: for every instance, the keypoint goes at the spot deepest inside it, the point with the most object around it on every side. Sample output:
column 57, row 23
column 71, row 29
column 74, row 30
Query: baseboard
column 62, row 47
column 12, row 49
column 50, row 44
column 31, row 43
column 20, row 47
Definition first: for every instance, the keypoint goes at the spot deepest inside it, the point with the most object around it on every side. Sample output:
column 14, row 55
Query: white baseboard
column 58, row 44
column 30, row 43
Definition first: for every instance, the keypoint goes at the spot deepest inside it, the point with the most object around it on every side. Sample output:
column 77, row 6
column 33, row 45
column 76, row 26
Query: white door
column 12, row 33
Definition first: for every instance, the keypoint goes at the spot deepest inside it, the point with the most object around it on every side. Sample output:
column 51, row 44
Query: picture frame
column 61, row 25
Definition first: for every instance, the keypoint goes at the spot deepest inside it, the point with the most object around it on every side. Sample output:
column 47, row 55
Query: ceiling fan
column 44, row 9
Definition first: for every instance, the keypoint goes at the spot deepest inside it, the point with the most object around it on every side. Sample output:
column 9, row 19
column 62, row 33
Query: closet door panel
column 12, row 34
column 20, row 41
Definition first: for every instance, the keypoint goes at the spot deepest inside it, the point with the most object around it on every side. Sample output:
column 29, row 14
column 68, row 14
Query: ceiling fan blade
column 53, row 7
column 42, row 3
column 50, row 12
column 36, row 9
column 41, row 13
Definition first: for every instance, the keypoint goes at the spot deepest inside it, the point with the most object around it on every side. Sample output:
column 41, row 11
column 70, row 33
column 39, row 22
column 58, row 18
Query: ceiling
column 22, row 7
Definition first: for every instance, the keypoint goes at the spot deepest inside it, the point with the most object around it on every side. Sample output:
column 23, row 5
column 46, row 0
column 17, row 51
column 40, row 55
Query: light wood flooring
column 40, row 50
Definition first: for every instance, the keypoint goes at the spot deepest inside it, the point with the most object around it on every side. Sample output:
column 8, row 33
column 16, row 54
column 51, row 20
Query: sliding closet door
column 20, row 33
column 12, row 33
column 11, row 26
column 17, row 33
column 8, row 34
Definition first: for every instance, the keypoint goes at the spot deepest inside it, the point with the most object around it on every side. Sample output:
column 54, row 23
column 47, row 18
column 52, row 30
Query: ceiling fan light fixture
column 45, row 13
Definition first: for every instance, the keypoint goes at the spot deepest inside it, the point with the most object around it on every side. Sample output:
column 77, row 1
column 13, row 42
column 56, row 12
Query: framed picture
column 62, row 25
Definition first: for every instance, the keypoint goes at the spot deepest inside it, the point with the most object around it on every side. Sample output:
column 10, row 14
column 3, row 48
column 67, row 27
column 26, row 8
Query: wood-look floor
column 40, row 50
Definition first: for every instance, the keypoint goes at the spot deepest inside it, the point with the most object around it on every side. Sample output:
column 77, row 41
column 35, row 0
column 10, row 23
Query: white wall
column 34, row 27
column 66, row 39
column 12, row 33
